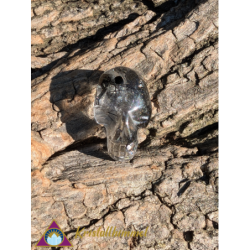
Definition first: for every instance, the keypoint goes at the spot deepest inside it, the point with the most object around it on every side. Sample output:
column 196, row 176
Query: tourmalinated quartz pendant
column 122, row 105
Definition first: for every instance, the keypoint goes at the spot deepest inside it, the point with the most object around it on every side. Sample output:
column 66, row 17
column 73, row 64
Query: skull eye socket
column 118, row 80
column 106, row 80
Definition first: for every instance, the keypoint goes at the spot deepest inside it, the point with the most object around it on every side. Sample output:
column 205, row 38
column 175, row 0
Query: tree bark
column 171, row 186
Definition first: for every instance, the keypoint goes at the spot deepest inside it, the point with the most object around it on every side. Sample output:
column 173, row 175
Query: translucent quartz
column 122, row 105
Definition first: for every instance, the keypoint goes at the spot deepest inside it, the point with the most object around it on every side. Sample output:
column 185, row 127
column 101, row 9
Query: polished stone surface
column 122, row 105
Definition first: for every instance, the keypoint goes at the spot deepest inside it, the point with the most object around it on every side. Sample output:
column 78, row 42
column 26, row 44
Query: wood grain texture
column 171, row 186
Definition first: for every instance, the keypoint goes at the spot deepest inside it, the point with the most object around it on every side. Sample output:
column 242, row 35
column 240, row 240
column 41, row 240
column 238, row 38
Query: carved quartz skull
column 122, row 105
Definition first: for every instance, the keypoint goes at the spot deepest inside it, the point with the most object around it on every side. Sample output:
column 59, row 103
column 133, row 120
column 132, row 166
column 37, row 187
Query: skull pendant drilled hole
column 118, row 80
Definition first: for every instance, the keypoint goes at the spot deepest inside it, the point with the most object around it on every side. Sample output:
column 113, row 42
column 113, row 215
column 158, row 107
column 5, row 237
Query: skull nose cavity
column 118, row 80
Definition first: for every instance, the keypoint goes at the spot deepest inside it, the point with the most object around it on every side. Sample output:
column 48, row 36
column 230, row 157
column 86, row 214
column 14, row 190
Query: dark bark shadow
column 84, row 44
column 70, row 96
column 175, row 12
